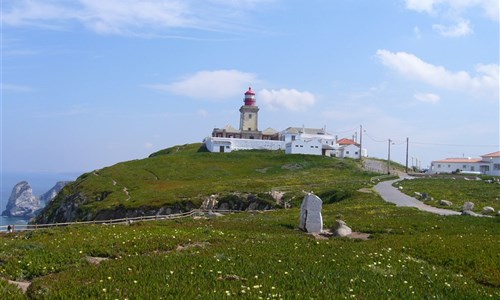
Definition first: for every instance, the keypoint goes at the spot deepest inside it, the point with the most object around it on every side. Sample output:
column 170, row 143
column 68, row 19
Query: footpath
column 393, row 195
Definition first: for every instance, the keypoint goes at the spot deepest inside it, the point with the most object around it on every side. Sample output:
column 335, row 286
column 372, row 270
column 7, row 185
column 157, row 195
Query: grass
column 455, row 189
column 185, row 174
column 410, row 255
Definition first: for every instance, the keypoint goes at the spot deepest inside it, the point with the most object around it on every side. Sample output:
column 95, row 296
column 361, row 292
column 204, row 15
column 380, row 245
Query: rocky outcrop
column 488, row 210
column 341, row 229
column 445, row 203
column 70, row 205
column 52, row 193
column 22, row 202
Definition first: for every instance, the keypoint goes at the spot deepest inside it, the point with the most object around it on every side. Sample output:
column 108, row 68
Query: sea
column 40, row 183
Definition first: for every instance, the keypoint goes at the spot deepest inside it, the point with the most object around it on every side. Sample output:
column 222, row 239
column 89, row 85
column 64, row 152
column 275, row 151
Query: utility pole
column 360, row 141
column 407, row 142
column 389, row 158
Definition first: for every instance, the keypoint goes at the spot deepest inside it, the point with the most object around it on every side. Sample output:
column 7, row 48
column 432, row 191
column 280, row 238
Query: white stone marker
column 310, row 214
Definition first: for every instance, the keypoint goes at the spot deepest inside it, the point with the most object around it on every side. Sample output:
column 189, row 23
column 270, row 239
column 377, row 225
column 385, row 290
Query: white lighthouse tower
column 249, row 117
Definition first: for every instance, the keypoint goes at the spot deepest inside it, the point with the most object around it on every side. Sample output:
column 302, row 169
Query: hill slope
column 182, row 177
column 410, row 255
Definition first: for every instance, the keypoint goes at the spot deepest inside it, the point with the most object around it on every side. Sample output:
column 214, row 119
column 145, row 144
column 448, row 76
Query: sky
column 86, row 84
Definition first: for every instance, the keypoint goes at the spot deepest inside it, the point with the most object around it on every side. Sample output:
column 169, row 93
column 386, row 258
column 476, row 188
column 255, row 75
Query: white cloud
column 289, row 99
column 131, row 17
column 202, row 113
column 484, row 82
column 417, row 32
column 211, row 85
column 454, row 7
column 14, row 88
column 427, row 97
column 462, row 28
column 420, row 5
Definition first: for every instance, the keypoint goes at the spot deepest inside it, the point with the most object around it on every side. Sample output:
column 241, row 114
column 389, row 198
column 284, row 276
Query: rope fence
column 194, row 212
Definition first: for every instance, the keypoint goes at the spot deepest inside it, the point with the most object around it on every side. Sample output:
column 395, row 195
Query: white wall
column 213, row 144
column 351, row 151
column 449, row 167
column 312, row 147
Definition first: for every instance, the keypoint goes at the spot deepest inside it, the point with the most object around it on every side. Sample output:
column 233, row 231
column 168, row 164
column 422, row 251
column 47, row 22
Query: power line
column 456, row 145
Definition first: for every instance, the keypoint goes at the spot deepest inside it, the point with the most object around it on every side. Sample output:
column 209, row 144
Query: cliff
column 52, row 193
column 22, row 202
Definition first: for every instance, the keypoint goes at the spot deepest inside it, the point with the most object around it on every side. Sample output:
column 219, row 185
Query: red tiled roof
column 493, row 154
column 345, row 141
column 458, row 160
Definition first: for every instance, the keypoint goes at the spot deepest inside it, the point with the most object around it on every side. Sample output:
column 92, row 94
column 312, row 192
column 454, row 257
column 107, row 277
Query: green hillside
column 409, row 255
column 181, row 177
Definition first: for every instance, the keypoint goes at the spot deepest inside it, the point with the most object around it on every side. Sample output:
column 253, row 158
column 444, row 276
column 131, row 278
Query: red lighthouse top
column 250, row 97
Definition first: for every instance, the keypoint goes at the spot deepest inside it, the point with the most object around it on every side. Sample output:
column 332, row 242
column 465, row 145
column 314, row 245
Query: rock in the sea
column 22, row 202
column 445, row 203
column 52, row 193
column 341, row 229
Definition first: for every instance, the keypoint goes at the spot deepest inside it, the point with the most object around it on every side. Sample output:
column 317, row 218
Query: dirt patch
column 23, row 285
column 292, row 167
column 95, row 260
column 231, row 277
column 365, row 190
column 192, row 245
column 327, row 234
column 263, row 170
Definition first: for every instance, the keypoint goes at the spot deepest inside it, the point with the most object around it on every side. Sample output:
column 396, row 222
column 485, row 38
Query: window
column 249, row 129
column 250, row 116
column 472, row 168
column 439, row 166
column 496, row 167
column 464, row 167
column 293, row 137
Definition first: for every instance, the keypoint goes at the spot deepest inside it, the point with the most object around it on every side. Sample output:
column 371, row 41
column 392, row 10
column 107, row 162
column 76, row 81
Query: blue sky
column 89, row 83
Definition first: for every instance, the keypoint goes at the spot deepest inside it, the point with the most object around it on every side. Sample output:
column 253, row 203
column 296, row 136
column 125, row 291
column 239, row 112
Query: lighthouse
column 249, row 116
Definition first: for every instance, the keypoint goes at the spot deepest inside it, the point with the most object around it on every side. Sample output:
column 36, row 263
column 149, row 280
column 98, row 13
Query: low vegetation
column 457, row 189
column 409, row 255
column 186, row 175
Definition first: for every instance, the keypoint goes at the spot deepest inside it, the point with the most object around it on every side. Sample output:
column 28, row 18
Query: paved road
column 393, row 195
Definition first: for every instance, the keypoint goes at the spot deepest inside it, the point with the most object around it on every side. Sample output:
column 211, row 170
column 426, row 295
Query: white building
column 348, row 148
column 301, row 140
column 248, row 136
column 294, row 140
column 488, row 164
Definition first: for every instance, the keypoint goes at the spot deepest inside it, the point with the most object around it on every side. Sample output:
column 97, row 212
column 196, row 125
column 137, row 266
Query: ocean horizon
column 40, row 182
